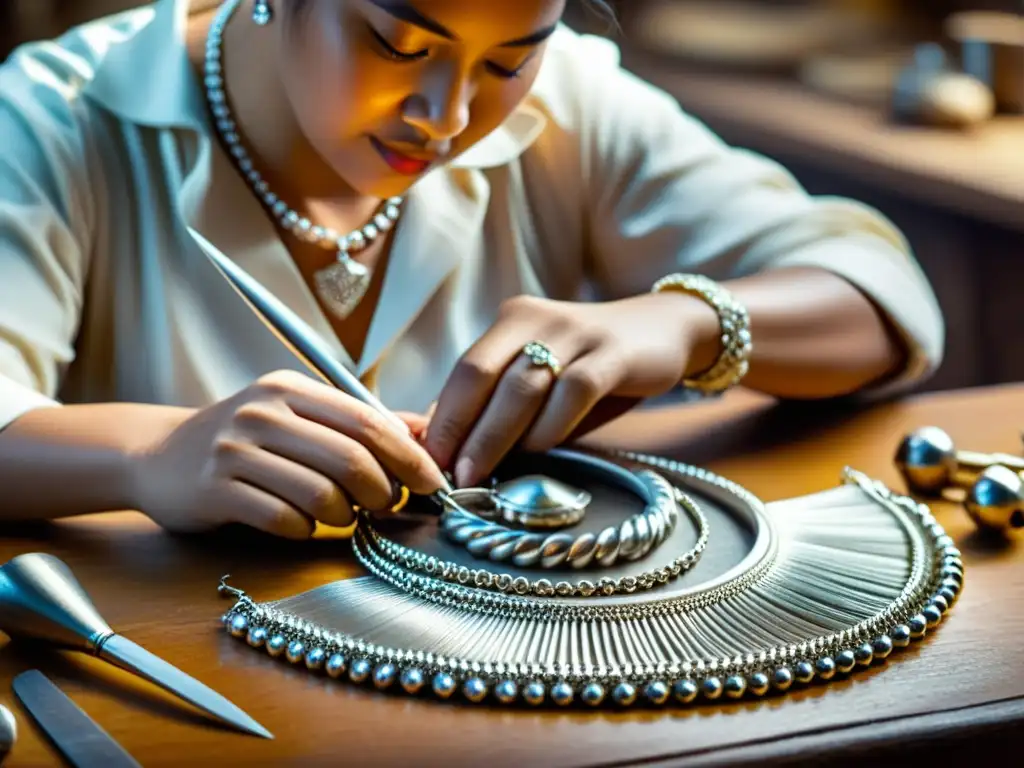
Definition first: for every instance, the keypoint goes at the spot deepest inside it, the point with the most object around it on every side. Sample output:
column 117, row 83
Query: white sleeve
column 667, row 195
column 44, row 232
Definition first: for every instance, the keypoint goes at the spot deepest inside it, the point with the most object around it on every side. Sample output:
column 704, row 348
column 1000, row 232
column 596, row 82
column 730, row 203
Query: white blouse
column 597, row 185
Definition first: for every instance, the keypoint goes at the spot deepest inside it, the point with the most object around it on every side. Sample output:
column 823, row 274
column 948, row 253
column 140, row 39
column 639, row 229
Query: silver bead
column 711, row 687
column 592, row 694
column 336, row 665
column 900, row 636
column 295, row 652
column 506, row 691
column 443, row 685
column 562, row 694
column 782, row 679
column 735, row 686
column 475, row 690
column 758, row 684
column 684, row 691
column 384, row 675
column 918, row 626
column 239, row 625
column 932, row 615
column 355, row 241
column 533, row 693
column 624, row 694
column 845, row 660
column 257, row 636
column 315, row 659
column 276, row 645
column 412, row 680
column 360, row 671
column 656, row 692
column 803, row 672
column 864, row 654
column 825, row 668
column 881, row 646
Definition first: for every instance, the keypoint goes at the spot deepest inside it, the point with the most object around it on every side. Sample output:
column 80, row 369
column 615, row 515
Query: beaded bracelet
column 734, row 360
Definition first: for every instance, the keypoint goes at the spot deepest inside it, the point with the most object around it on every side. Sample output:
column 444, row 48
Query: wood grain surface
column 964, row 685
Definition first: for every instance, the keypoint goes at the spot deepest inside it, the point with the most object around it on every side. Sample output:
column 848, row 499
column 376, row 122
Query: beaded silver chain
column 341, row 285
column 383, row 553
column 933, row 585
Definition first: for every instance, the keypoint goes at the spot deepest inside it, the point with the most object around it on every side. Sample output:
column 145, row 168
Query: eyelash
column 392, row 53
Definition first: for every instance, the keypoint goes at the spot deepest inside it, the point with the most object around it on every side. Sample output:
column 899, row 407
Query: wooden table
column 961, row 691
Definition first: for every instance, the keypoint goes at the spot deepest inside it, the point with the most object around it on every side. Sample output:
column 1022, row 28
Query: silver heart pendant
column 342, row 285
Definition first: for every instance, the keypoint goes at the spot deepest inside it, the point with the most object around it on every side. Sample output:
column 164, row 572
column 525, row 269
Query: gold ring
column 540, row 354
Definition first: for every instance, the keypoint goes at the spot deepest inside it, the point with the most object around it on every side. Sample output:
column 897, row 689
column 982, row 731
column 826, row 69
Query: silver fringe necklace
column 827, row 584
column 342, row 285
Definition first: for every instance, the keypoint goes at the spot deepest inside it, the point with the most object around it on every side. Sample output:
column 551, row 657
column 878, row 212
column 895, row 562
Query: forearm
column 814, row 335
column 72, row 460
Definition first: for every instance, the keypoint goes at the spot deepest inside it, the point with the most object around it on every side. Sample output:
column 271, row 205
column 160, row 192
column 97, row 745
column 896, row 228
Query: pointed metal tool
column 41, row 599
column 304, row 343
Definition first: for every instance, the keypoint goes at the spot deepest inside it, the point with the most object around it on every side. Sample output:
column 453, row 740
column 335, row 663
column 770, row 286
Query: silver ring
column 540, row 354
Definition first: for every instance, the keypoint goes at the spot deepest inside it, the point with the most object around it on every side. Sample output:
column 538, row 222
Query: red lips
column 400, row 162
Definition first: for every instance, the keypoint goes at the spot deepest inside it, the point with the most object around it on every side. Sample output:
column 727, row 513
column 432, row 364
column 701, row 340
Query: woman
column 526, row 172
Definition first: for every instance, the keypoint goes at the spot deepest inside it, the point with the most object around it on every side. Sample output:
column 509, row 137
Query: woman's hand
column 497, row 399
column 281, row 454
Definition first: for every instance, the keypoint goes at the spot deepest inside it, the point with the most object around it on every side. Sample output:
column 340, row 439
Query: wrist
column 719, row 339
column 693, row 324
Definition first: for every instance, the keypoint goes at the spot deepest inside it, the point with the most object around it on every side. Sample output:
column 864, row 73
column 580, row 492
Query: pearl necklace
column 342, row 285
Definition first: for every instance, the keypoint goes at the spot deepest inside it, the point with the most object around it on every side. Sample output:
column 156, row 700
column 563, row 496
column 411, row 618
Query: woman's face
column 385, row 89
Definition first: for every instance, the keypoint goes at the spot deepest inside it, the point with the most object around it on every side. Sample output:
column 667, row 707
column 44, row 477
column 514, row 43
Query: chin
column 385, row 186
column 374, row 178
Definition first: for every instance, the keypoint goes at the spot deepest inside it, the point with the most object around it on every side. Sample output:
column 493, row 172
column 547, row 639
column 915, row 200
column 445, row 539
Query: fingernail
column 464, row 472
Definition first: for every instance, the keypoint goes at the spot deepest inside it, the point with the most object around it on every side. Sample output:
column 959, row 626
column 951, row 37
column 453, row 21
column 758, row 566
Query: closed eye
column 389, row 51
column 500, row 71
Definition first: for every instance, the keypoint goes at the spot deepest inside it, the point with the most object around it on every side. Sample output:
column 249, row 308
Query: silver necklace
column 845, row 578
column 343, row 284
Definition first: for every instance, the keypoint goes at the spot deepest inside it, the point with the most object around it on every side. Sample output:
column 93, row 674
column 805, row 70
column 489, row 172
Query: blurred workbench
column 958, row 197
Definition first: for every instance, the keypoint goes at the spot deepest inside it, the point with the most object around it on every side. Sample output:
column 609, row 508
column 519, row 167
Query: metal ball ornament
column 996, row 500
column 930, row 463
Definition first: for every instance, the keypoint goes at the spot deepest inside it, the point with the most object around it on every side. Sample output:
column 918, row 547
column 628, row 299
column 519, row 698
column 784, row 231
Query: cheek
column 332, row 87
column 492, row 106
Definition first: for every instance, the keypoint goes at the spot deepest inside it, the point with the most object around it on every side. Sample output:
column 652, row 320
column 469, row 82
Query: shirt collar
column 152, row 39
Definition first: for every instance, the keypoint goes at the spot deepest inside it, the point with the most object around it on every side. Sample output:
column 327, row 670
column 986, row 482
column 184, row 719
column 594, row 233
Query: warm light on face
column 386, row 89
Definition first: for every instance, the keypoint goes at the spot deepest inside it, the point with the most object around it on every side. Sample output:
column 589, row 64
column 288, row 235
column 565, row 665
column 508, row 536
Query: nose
column 441, row 108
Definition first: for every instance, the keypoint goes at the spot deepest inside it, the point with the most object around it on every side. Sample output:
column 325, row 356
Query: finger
column 469, row 389
column 347, row 463
column 417, row 422
column 255, row 507
column 394, row 448
column 518, row 399
column 579, row 388
column 303, row 488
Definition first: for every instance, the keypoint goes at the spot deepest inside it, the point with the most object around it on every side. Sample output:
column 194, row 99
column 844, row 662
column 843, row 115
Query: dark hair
column 600, row 7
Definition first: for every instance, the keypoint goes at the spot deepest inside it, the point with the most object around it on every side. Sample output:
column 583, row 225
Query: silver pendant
column 539, row 502
column 342, row 285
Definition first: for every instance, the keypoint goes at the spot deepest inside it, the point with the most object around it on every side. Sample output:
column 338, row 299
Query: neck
column 267, row 126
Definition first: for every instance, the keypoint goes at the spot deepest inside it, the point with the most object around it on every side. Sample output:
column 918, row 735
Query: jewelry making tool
column 74, row 733
column 40, row 599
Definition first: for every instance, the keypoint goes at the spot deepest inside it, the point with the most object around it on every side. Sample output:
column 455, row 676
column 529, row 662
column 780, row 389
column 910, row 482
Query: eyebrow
column 403, row 11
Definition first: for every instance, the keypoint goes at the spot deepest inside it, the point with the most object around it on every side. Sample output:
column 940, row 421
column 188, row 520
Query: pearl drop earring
column 262, row 13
